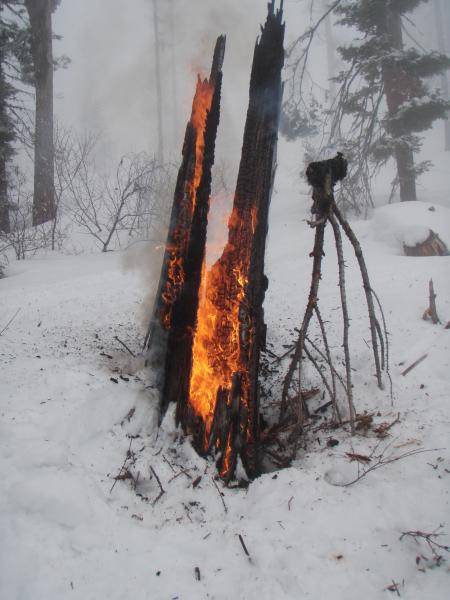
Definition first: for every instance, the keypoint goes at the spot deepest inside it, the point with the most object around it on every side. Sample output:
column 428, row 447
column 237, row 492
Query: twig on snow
column 162, row 490
column 127, row 457
column 125, row 346
column 414, row 365
column 241, row 539
column 10, row 321
column 382, row 461
column 430, row 539
column 220, row 494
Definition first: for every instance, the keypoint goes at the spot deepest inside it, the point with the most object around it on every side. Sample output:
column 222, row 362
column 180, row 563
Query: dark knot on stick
column 323, row 176
column 318, row 172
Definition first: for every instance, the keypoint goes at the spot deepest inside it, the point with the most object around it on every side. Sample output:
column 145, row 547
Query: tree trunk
column 5, row 151
column 398, row 85
column 443, row 47
column 40, row 13
column 4, row 208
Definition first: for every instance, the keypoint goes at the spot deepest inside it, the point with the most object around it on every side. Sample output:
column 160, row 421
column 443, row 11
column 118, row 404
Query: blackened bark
column 255, row 184
column 246, row 246
column 40, row 13
column 169, row 319
column 398, row 87
column 238, row 284
column 181, row 336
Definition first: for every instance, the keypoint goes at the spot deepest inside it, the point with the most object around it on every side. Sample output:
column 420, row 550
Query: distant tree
column 442, row 15
column 15, row 62
column 383, row 101
column 7, row 137
column 40, row 15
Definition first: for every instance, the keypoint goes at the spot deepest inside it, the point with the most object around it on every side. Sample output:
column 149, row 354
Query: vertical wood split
column 233, row 430
column 169, row 336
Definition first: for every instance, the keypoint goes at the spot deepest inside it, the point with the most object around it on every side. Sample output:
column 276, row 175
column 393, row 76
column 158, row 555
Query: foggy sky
column 109, row 86
column 110, row 82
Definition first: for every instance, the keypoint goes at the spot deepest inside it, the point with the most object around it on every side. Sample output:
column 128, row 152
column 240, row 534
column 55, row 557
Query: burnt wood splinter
column 228, row 422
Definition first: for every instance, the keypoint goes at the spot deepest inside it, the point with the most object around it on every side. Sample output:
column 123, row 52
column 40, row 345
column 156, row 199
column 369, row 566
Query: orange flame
column 219, row 336
column 175, row 275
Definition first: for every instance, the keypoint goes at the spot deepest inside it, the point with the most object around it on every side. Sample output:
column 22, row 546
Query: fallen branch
column 414, row 365
column 220, row 494
column 382, row 461
column 125, row 346
column 430, row 539
column 10, row 321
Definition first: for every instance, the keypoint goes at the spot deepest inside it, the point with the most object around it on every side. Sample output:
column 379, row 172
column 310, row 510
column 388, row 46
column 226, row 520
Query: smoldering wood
column 251, row 202
column 235, row 430
column 156, row 343
column 181, row 336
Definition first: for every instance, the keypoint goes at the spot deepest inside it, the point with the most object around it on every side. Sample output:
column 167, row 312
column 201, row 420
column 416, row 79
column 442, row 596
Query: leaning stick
column 319, row 351
column 330, row 362
column 367, row 288
column 342, row 287
column 317, row 253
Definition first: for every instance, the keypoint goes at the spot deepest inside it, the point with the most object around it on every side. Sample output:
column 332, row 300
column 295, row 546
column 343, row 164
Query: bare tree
column 130, row 203
column 24, row 239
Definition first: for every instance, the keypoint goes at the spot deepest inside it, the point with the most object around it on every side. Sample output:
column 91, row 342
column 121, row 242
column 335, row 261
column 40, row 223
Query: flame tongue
column 178, row 248
column 219, row 338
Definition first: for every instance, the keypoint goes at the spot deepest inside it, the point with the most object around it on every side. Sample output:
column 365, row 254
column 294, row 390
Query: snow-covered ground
column 68, row 419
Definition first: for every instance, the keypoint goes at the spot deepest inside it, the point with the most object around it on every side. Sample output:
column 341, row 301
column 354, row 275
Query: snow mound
column 410, row 223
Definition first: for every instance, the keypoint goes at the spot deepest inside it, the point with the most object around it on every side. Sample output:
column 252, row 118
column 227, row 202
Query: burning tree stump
column 174, row 312
column 208, row 327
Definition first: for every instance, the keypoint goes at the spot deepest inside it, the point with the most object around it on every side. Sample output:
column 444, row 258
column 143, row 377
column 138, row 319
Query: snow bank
column 410, row 223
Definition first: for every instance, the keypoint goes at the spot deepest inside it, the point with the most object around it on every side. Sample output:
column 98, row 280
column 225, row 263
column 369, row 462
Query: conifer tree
column 15, row 65
column 383, row 100
column 400, row 72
